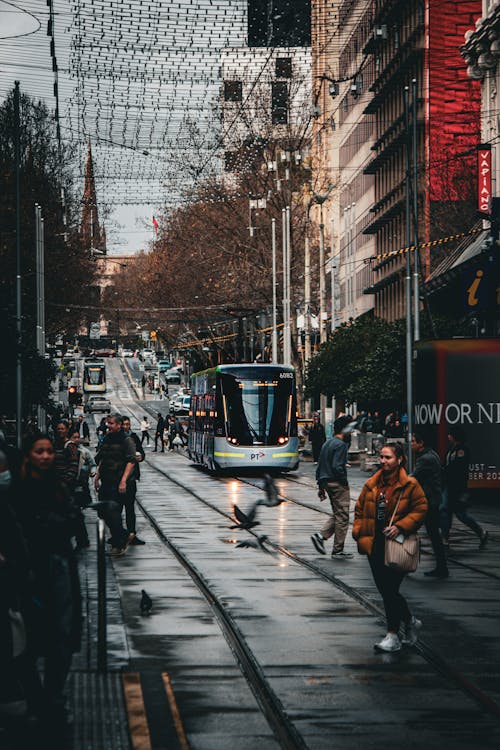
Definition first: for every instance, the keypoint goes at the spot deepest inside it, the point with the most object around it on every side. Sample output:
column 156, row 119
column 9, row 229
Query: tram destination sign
column 456, row 383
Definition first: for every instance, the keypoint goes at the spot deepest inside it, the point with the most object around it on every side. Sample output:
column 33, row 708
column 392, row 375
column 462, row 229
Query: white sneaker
column 391, row 642
column 411, row 631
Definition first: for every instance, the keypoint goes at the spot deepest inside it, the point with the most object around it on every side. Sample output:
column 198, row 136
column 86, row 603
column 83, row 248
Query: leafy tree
column 365, row 360
column 45, row 177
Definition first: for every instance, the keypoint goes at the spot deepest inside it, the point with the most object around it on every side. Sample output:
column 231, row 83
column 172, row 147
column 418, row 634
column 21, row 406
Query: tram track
column 429, row 654
column 271, row 705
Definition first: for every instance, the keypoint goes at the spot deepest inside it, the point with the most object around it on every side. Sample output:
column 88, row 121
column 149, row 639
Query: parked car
column 173, row 375
column 175, row 400
column 97, row 403
column 182, row 405
column 105, row 353
column 164, row 365
column 127, row 353
column 147, row 354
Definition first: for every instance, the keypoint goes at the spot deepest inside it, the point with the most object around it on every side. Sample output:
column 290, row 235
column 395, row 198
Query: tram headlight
column 232, row 440
column 282, row 440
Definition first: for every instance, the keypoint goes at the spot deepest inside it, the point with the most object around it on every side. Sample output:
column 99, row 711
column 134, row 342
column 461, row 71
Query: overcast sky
column 140, row 83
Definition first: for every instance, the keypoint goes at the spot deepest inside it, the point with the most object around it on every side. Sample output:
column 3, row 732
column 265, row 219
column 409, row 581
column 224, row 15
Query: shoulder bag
column 402, row 553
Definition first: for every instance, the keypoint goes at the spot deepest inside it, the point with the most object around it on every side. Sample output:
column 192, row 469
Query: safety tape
column 421, row 245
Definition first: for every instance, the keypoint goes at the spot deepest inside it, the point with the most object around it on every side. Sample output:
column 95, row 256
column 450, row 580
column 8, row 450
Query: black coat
column 48, row 521
column 428, row 474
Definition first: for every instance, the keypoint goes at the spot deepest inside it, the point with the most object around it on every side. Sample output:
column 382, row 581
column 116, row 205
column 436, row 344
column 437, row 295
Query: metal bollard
column 102, row 653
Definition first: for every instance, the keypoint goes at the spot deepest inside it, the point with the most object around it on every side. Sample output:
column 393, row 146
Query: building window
column 233, row 91
column 284, row 67
column 279, row 103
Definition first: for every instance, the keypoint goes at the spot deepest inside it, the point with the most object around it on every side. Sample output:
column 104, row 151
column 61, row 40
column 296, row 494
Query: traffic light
column 72, row 395
column 153, row 335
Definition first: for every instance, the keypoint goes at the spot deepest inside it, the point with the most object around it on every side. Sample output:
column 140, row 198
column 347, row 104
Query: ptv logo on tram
column 256, row 456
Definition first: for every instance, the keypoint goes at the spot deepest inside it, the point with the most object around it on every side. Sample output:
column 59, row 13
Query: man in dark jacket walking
column 132, row 484
column 116, row 461
column 316, row 436
column 331, row 476
column 456, row 495
column 160, row 428
column 428, row 474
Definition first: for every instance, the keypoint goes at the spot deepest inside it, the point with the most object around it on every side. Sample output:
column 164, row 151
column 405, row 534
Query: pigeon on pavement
column 146, row 603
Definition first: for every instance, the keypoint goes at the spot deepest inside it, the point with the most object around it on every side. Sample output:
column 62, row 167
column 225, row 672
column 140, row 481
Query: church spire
column 92, row 234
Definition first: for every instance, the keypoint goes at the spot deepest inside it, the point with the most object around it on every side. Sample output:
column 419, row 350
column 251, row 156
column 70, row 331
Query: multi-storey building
column 481, row 53
column 385, row 46
column 418, row 41
column 266, row 80
column 343, row 139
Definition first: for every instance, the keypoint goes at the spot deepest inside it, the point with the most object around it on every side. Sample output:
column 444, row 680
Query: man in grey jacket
column 428, row 474
column 331, row 476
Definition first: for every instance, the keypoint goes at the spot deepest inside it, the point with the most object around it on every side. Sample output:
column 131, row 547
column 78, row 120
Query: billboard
column 457, row 381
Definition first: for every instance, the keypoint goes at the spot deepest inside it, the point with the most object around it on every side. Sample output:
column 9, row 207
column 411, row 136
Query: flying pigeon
column 257, row 543
column 146, row 603
column 245, row 520
column 272, row 498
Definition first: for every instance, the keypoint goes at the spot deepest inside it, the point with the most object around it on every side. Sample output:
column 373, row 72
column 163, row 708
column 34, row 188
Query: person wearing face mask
column 48, row 519
column 388, row 490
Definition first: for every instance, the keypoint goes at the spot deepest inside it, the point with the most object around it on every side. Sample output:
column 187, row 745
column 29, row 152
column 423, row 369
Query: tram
column 94, row 376
column 244, row 417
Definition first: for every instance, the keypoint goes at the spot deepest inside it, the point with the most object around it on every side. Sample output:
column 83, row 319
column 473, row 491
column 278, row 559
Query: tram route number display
column 457, row 383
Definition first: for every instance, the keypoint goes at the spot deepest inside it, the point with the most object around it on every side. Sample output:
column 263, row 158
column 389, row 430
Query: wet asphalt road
column 313, row 642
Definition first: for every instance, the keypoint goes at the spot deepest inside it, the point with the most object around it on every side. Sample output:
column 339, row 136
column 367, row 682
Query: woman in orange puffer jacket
column 371, row 527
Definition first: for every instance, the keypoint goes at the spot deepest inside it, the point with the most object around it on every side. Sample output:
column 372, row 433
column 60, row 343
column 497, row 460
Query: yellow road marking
column 136, row 712
column 174, row 709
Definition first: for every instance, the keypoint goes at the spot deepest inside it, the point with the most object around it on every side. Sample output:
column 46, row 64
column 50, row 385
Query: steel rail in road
column 282, row 727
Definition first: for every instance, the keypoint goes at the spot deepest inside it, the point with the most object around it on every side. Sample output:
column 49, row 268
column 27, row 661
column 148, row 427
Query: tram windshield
column 258, row 409
column 94, row 377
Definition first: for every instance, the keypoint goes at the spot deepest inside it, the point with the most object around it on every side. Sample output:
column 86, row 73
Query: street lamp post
column 40, row 299
column 274, row 338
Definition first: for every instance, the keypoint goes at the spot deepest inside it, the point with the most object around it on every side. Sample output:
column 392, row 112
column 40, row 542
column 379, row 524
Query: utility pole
column 274, row 335
column 307, row 307
column 285, row 221
column 332, row 285
column 416, row 264
column 322, row 279
column 288, row 285
column 19, row 370
column 333, row 322
column 409, row 342
column 40, row 299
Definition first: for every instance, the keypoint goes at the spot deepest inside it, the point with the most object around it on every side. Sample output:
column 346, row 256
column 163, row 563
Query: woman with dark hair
column 455, row 495
column 47, row 518
column 390, row 491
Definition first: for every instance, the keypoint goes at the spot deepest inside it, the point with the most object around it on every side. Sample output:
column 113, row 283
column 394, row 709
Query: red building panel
column 454, row 100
